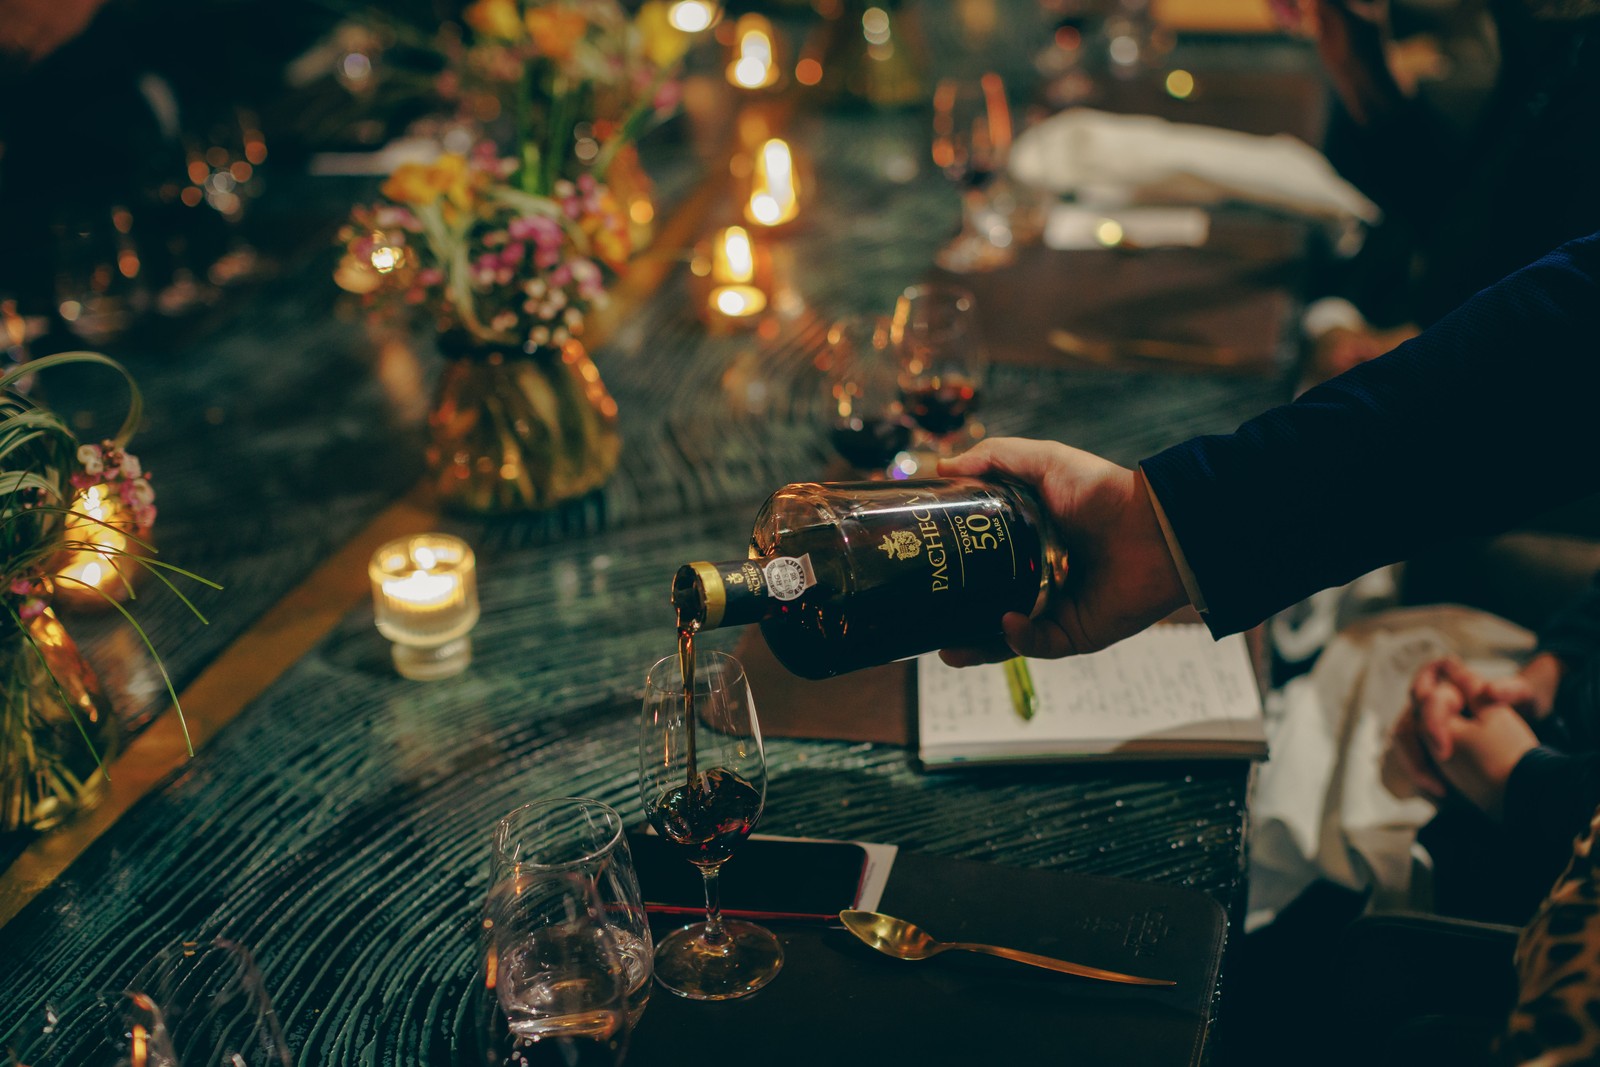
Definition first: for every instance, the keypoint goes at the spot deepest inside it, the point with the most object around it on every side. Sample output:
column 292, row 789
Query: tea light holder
column 734, row 274
column 425, row 600
column 774, row 186
column 753, row 62
column 99, row 570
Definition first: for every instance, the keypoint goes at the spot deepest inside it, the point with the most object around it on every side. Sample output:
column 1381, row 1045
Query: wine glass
column 942, row 360
column 573, row 835
column 867, row 423
column 703, row 781
column 1063, row 61
column 106, row 1029
column 215, row 1004
column 971, row 145
column 555, row 985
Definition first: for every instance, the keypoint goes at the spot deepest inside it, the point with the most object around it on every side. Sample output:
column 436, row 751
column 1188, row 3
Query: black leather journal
column 838, row 1001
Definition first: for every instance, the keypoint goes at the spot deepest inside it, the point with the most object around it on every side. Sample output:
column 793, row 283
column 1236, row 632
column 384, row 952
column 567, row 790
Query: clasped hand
column 1461, row 731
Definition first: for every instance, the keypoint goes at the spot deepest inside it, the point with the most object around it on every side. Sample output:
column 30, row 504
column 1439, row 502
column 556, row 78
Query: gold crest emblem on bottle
column 901, row 544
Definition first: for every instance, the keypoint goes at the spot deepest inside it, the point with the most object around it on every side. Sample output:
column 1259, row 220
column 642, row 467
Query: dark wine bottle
column 852, row 574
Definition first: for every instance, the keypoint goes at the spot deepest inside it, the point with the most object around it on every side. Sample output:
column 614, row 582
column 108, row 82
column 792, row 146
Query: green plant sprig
column 26, row 427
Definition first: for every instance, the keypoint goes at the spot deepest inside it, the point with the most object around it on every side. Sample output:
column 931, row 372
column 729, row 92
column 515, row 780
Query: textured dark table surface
column 339, row 825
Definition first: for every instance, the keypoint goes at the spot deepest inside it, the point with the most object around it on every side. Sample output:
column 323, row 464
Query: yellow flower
column 424, row 183
column 664, row 43
column 494, row 18
column 555, row 30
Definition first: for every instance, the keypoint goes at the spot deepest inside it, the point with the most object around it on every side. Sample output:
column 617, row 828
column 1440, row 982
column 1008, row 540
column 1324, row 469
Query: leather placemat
column 1232, row 297
column 868, row 705
column 838, row 1001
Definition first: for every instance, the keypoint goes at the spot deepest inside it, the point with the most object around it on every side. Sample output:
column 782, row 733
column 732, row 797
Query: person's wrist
column 1543, row 674
column 1169, row 586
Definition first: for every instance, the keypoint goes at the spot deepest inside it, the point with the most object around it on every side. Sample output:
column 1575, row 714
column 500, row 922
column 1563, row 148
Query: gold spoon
column 908, row 941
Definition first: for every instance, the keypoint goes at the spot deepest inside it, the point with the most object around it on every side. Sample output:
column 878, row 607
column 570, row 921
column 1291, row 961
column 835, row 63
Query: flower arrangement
column 518, row 246
column 455, row 240
column 48, row 759
column 578, row 79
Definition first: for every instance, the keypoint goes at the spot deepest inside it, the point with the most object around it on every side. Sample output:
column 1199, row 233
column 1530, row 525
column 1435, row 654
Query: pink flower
column 90, row 460
column 130, row 465
column 31, row 609
column 137, row 493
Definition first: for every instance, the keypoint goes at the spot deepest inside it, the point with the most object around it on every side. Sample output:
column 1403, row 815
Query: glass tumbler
column 571, row 835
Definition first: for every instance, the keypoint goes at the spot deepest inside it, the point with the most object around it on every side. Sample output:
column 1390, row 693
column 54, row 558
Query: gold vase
column 516, row 431
column 54, row 722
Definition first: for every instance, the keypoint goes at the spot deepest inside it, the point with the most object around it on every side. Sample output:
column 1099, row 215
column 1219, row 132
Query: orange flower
column 424, row 183
column 608, row 232
column 494, row 18
column 555, row 30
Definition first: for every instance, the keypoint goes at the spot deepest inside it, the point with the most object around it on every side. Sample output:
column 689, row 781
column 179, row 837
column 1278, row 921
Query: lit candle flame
column 773, row 196
column 691, row 16
column 95, row 531
column 736, row 260
column 733, row 272
column 754, row 64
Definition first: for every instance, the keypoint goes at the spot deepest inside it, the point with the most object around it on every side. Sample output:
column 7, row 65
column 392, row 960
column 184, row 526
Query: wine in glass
column 971, row 145
column 866, row 421
column 555, row 983
column 703, row 781
column 942, row 359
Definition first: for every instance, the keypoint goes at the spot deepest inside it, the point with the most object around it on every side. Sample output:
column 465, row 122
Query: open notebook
column 1168, row 693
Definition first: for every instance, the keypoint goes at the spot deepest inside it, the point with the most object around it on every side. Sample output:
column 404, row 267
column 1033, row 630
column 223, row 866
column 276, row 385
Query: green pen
column 1020, row 681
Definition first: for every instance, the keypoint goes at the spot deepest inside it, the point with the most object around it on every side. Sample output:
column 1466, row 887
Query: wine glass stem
column 714, row 931
column 973, row 203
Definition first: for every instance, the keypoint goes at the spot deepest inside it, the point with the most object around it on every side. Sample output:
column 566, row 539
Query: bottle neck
column 740, row 591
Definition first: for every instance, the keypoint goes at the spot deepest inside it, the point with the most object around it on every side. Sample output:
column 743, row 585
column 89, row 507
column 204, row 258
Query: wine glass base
column 972, row 253
column 748, row 957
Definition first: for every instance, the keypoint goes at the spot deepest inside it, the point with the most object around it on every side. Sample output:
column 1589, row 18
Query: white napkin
column 1320, row 807
column 1106, row 158
column 1073, row 226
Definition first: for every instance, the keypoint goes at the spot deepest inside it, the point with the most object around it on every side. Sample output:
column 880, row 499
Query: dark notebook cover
column 838, row 1001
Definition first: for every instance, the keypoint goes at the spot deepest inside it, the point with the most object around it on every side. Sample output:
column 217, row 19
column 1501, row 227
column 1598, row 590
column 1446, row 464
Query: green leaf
column 135, row 398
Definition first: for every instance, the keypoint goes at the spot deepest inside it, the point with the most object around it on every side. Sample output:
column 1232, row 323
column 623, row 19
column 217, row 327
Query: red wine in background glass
column 870, row 444
column 941, row 408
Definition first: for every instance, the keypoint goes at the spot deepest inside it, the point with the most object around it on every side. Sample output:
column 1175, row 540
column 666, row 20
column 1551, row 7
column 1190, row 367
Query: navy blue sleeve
column 1488, row 417
column 1550, row 797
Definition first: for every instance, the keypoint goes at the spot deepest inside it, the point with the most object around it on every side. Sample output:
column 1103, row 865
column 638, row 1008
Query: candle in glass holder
column 692, row 16
column 774, row 192
column 755, row 59
column 734, row 291
column 425, row 599
column 96, row 565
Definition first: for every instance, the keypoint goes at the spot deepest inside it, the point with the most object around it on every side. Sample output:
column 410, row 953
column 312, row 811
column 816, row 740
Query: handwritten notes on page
column 1168, row 693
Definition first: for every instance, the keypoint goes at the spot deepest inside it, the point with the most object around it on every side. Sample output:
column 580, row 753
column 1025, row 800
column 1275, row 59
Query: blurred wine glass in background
column 1063, row 62
column 942, row 359
column 971, row 145
column 104, row 1029
column 866, row 420
column 215, row 1004
column 100, row 278
column 224, row 153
